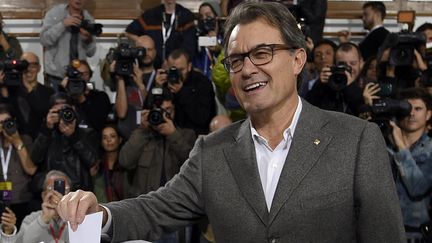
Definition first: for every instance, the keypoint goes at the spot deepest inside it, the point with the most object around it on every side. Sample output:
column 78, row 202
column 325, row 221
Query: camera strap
column 5, row 160
column 60, row 232
column 166, row 32
column 150, row 80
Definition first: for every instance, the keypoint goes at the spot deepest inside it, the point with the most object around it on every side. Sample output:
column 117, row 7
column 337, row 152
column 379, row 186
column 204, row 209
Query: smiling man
column 289, row 173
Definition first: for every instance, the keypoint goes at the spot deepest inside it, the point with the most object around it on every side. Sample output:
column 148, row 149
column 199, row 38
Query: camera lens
column 67, row 114
column 155, row 117
column 9, row 126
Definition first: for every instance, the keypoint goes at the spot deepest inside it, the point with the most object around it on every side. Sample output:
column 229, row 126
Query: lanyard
column 166, row 33
column 5, row 161
column 150, row 80
column 60, row 232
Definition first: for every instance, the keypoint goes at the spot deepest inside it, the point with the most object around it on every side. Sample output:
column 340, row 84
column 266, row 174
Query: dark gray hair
column 55, row 173
column 275, row 14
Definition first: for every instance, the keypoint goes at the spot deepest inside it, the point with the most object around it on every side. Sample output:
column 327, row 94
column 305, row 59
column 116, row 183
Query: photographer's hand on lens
column 144, row 119
column 67, row 128
column 161, row 77
column 49, row 205
column 350, row 78
column 325, row 75
column 369, row 93
column 138, row 75
column 14, row 139
column 73, row 20
column 398, row 139
column 75, row 205
column 167, row 128
column 8, row 220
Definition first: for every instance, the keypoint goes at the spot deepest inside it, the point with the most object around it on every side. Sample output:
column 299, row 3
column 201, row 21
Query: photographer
column 156, row 149
column 410, row 150
column 194, row 97
column 8, row 44
column 45, row 225
column 133, row 81
column 92, row 106
column 62, row 145
column 66, row 36
column 209, row 39
column 17, row 166
column 337, row 88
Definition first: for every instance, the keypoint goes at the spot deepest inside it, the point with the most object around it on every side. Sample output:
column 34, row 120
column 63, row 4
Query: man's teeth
column 255, row 86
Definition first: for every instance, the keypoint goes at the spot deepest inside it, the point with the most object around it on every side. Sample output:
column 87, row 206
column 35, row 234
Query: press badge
column 6, row 190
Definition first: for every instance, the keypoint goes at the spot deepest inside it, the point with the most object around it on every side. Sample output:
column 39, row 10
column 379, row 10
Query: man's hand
column 175, row 88
column 74, row 206
column 49, row 205
column 325, row 75
column 14, row 139
column 8, row 221
column 86, row 37
column 67, row 128
column 167, row 128
column 370, row 93
column 161, row 77
column 73, row 20
column 144, row 119
column 344, row 36
column 398, row 138
column 309, row 44
column 53, row 116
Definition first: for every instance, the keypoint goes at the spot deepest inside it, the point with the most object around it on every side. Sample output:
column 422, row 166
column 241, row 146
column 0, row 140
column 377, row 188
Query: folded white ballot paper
column 89, row 231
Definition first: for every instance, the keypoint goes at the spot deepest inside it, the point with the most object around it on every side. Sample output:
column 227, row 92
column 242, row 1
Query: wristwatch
column 19, row 147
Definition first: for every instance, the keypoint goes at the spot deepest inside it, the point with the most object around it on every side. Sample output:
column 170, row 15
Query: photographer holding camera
column 92, row 106
column 134, row 74
column 194, row 97
column 17, row 166
column 410, row 149
column 67, row 34
column 337, row 88
column 45, row 225
column 8, row 44
column 63, row 145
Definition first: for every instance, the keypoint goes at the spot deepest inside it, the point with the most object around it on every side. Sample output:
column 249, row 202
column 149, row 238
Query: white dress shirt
column 271, row 162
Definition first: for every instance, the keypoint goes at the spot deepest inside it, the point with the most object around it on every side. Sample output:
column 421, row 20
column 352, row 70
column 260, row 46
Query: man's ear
column 189, row 67
column 300, row 57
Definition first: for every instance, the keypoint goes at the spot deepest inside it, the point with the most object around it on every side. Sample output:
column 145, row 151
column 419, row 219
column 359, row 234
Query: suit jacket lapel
column 242, row 161
column 308, row 143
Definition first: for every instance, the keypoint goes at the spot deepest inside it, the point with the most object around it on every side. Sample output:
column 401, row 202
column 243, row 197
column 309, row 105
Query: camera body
column 93, row 28
column 338, row 79
column 76, row 85
column 13, row 70
column 386, row 109
column 125, row 55
column 402, row 47
column 206, row 25
column 173, row 75
column 60, row 186
column 10, row 126
column 67, row 114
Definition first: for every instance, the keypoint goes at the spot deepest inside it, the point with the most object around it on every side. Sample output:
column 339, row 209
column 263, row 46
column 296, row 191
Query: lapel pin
column 316, row 142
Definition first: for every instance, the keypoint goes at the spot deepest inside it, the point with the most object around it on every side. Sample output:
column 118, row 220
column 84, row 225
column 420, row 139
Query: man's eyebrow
column 254, row 47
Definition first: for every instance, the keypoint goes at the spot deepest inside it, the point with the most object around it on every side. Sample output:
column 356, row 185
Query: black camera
column 173, row 75
column 76, row 85
column 386, row 109
column 125, row 56
column 67, row 114
column 10, row 126
column 93, row 28
column 155, row 100
column 402, row 47
column 13, row 70
column 338, row 79
column 206, row 25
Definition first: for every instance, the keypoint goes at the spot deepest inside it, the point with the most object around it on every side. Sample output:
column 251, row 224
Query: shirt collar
column 287, row 132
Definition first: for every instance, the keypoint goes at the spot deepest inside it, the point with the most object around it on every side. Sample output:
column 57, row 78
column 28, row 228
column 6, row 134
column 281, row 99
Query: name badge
column 6, row 190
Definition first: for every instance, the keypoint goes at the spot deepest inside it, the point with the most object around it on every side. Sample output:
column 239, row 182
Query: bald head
column 147, row 42
column 218, row 122
column 30, row 57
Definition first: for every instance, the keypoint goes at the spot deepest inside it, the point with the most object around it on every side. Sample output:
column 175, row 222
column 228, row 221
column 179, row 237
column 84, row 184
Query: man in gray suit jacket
column 289, row 173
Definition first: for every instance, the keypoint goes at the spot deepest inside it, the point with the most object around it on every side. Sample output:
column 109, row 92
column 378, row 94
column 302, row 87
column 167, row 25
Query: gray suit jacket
column 336, row 186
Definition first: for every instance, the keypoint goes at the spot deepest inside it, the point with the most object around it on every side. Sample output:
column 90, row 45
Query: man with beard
column 132, row 91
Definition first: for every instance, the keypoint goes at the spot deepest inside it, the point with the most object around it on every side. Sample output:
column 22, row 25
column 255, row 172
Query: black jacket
column 73, row 155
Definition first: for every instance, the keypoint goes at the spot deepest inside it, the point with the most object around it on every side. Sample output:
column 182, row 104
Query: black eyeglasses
column 259, row 55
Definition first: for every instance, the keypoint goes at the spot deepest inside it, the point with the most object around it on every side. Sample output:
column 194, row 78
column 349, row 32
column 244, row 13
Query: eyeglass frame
column 273, row 48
